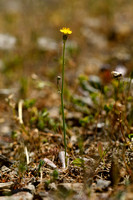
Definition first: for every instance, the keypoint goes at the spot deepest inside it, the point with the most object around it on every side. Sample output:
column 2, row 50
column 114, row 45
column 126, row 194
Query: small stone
column 7, row 42
column 50, row 163
column 31, row 188
column 102, row 184
column 18, row 196
column 52, row 186
column 47, row 44
column 5, row 169
column 71, row 186
column 6, row 185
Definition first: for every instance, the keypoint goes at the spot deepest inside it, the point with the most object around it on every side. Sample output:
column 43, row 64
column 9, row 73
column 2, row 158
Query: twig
column 20, row 111
column 27, row 155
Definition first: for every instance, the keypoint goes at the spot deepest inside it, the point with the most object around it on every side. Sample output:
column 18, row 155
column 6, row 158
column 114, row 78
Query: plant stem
column 62, row 93
column 129, row 87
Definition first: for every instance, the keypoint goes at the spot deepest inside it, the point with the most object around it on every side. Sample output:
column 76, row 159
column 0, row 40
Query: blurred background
column 30, row 41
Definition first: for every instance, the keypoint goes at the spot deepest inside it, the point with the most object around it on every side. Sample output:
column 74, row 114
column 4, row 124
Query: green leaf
column 14, row 134
column 130, row 135
column 86, row 120
column 107, row 107
column 29, row 103
column 55, row 174
column 82, row 78
column 95, row 82
column 41, row 163
column 78, row 162
column 106, row 89
column 47, row 182
column 130, row 99
column 41, row 124
column 44, row 113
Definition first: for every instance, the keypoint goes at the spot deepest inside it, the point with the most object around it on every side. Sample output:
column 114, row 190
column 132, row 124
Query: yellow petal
column 66, row 31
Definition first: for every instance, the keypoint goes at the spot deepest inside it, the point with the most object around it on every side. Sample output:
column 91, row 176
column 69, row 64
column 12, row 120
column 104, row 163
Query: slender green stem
column 129, row 86
column 62, row 94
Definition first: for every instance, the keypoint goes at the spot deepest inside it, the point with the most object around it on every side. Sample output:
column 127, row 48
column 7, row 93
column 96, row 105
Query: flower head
column 66, row 31
column 116, row 74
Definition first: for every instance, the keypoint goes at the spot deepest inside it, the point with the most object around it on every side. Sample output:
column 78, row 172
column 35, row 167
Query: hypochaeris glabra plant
column 66, row 32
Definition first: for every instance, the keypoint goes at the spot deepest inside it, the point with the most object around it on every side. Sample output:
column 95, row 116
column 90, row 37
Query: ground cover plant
column 66, row 111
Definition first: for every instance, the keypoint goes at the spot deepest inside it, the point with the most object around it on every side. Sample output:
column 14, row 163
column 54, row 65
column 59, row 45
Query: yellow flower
column 66, row 31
